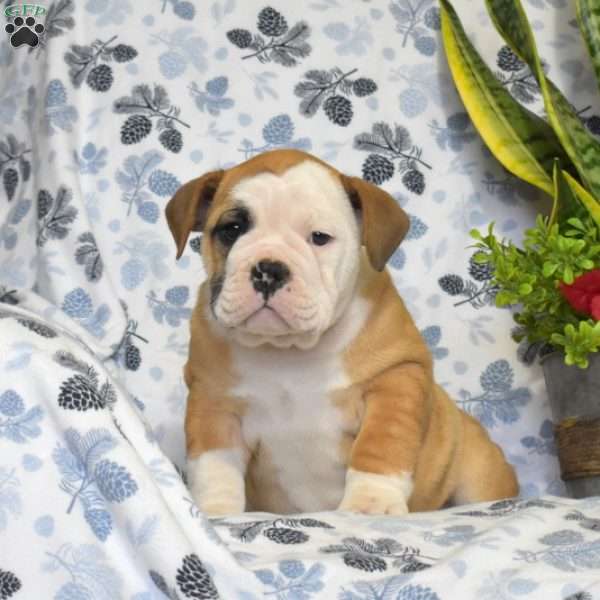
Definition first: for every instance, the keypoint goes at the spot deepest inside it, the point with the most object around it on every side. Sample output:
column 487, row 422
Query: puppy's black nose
column 268, row 276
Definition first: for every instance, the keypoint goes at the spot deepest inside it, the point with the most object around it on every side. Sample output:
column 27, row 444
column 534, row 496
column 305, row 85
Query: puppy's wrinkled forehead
column 279, row 179
column 306, row 188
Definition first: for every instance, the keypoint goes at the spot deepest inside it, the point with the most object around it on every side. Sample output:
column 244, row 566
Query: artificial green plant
column 554, row 277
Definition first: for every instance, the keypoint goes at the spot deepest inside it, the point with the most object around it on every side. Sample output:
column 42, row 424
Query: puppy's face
column 282, row 245
column 288, row 249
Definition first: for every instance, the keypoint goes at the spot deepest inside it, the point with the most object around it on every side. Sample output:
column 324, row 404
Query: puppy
column 310, row 387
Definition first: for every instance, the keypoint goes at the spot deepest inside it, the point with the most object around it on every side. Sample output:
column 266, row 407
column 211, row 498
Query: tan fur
column 410, row 423
column 212, row 416
column 396, row 418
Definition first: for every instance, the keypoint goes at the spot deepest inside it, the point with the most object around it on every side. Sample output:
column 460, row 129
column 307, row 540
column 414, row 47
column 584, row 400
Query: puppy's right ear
column 188, row 208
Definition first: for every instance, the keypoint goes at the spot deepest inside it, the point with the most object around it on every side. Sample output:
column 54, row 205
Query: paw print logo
column 24, row 31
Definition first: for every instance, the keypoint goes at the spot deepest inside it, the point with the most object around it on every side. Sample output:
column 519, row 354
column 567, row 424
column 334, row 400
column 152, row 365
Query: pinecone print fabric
column 364, row 562
column 113, row 481
column 480, row 271
column 15, row 166
column 194, row 580
column 339, row 110
column 287, row 45
column 477, row 289
column 332, row 89
column 11, row 404
column 284, row 535
column 92, row 64
column 391, row 150
column 100, row 523
column 241, row 38
column 516, row 76
column 170, row 138
column 79, row 393
column 10, row 179
column 271, row 23
column 128, row 352
column 135, row 129
column 10, row 584
column 508, row 60
column 121, row 103
column 452, row 284
column 150, row 106
column 39, row 328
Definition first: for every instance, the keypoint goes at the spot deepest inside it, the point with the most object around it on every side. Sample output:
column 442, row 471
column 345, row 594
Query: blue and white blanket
column 118, row 104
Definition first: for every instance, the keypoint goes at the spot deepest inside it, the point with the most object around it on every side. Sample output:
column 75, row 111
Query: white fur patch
column 216, row 481
column 291, row 415
column 375, row 494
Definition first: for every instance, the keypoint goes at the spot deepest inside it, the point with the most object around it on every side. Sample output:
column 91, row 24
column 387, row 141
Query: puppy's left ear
column 384, row 223
column 188, row 208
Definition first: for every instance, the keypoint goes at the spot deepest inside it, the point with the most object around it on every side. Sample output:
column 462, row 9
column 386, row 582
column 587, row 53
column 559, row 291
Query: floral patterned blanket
column 106, row 107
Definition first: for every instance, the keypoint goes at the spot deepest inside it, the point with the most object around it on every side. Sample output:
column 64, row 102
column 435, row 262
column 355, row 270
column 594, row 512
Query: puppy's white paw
column 216, row 482
column 220, row 507
column 372, row 502
column 374, row 494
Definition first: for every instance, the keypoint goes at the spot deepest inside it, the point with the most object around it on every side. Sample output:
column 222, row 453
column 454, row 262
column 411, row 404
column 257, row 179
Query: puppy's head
column 282, row 243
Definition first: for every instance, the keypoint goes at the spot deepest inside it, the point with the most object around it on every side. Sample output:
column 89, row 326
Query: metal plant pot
column 574, row 396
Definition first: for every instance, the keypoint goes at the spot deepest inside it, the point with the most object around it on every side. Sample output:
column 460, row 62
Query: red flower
column 584, row 293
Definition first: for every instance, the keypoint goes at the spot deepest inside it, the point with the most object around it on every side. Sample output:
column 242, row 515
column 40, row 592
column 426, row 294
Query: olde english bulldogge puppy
column 310, row 387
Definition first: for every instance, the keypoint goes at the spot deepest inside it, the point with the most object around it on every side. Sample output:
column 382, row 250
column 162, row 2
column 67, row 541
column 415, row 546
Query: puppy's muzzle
column 268, row 276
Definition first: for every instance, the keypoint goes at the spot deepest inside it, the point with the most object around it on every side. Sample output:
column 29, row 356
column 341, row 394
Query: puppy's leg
column 217, row 458
column 384, row 454
column 484, row 474
column 375, row 494
column 216, row 480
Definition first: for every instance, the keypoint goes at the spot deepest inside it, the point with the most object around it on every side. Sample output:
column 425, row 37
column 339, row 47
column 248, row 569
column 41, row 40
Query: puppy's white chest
column 294, row 428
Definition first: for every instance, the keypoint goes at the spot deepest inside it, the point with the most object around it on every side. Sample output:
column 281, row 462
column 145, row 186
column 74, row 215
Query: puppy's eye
column 230, row 232
column 318, row 238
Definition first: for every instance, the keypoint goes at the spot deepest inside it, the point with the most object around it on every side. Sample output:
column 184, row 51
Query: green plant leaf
column 523, row 142
column 504, row 298
column 588, row 17
column 575, row 222
column 549, row 269
column 568, row 276
column 583, row 149
column 566, row 204
column 587, row 264
column 587, row 200
column 525, row 288
column 578, row 343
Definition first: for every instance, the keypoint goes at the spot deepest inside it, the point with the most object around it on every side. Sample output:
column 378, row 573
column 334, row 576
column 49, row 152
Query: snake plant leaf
column 523, row 142
column 588, row 17
column 566, row 203
column 590, row 203
column 583, row 149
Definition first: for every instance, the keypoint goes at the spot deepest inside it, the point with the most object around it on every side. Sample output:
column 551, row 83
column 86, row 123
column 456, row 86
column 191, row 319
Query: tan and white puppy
column 310, row 387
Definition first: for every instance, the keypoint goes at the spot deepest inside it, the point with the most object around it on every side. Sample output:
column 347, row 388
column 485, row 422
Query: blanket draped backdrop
column 119, row 104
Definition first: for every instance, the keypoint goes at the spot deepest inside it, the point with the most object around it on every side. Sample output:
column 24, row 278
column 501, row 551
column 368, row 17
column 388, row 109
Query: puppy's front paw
column 217, row 483
column 374, row 494
column 218, row 505
column 373, row 502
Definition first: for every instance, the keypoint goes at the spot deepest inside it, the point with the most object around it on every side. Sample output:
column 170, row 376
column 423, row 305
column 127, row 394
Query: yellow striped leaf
column 583, row 149
column 523, row 142
column 590, row 203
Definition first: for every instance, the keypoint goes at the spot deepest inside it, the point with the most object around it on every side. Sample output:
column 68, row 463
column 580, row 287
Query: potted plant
column 553, row 278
